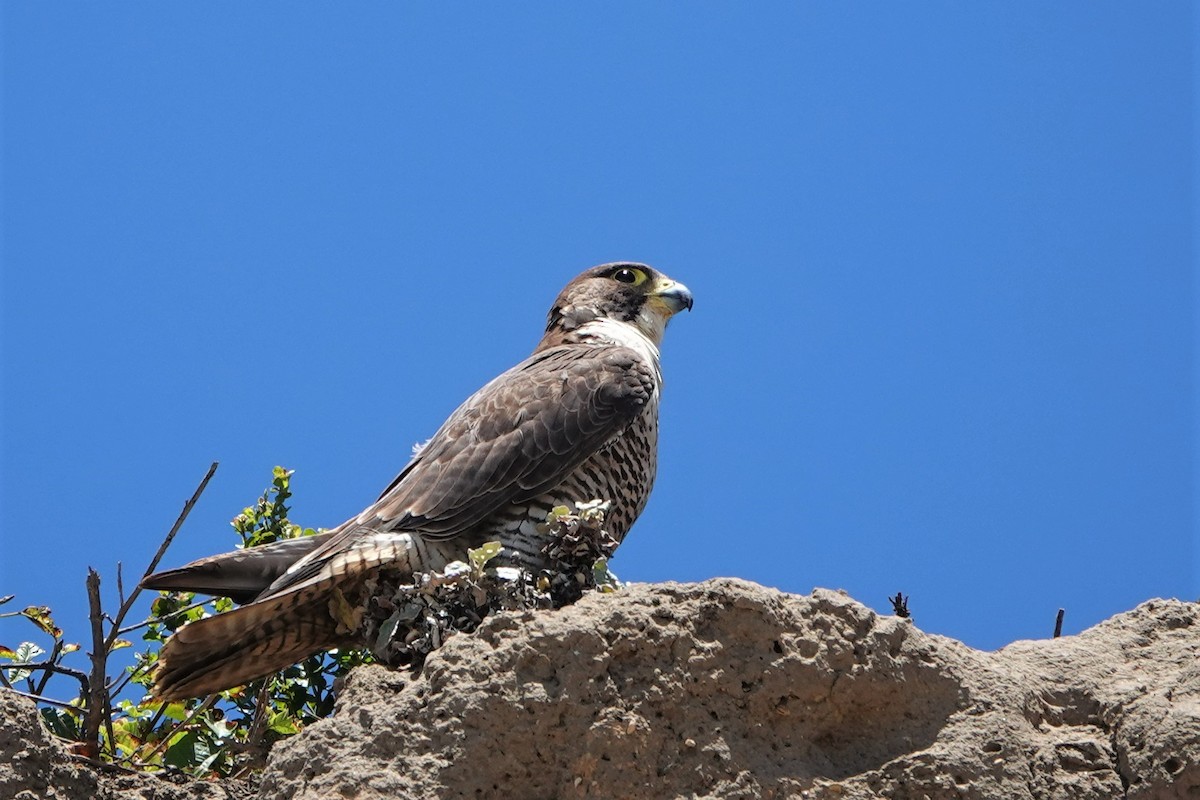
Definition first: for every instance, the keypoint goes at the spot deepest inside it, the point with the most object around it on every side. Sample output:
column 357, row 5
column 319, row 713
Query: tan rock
column 725, row 689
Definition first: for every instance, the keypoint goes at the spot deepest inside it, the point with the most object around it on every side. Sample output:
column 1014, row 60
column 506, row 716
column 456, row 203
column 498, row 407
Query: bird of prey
column 576, row 420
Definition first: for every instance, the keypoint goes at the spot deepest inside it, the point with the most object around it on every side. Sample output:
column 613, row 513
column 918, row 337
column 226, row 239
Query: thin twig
column 104, row 766
column 49, row 701
column 162, row 743
column 120, row 586
column 55, row 652
column 108, row 726
column 50, row 667
column 146, row 622
column 158, row 715
column 1058, row 623
column 99, row 656
column 261, row 707
column 115, row 687
column 162, row 550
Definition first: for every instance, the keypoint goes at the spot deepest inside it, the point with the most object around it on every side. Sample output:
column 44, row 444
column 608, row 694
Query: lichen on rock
column 402, row 618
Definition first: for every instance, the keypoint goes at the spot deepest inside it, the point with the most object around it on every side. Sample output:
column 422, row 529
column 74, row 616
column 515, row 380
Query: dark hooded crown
column 617, row 291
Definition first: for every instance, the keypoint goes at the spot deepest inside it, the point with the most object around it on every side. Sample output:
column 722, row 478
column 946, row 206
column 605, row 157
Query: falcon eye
column 633, row 277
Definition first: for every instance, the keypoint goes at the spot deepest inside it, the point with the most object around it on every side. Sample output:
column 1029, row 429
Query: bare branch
column 208, row 701
column 117, row 685
column 108, row 726
column 162, row 549
column 55, row 652
column 49, row 701
column 96, row 705
column 1058, row 620
column 146, row 622
column 51, row 667
column 120, row 586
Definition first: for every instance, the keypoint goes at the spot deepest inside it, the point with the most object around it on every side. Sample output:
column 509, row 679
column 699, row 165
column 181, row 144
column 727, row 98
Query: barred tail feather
column 231, row 649
column 242, row 574
column 297, row 618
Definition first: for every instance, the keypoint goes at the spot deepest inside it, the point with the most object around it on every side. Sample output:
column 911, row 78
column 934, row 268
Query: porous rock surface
column 36, row 766
column 726, row 689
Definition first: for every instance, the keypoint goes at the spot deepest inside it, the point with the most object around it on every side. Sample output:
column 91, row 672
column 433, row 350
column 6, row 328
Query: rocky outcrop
column 725, row 689
column 36, row 766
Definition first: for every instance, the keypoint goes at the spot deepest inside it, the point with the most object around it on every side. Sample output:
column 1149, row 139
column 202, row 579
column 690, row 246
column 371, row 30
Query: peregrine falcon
column 576, row 420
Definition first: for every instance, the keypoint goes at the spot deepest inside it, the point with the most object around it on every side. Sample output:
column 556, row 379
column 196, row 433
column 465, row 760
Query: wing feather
column 511, row 441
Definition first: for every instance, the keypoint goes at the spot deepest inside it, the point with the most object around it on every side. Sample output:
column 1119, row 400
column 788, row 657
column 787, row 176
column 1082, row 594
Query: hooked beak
column 674, row 296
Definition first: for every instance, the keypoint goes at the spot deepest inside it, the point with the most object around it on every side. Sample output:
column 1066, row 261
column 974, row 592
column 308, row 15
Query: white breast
column 625, row 335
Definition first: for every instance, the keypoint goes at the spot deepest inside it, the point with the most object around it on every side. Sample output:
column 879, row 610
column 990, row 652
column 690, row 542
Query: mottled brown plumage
column 577, row 420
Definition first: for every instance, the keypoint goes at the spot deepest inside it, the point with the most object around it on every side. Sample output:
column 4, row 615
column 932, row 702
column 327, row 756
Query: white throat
column 626, row 334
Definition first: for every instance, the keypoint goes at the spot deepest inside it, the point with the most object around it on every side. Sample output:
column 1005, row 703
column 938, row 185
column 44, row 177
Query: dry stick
column 51, row 667
column 208, row 701
column 1058, row 623
column 158, row 715
column 162, row 550
column 146, row 622
column 120, row 586
column 99, row 656
column 52, row 660
column 118, row 686
column 260, row 714
column 99, row 711
column 49, row 701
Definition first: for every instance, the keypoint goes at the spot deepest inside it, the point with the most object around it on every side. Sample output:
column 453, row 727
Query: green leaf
column 127, row 735
column 220, row 728
column 481, row 555
column 282, row 724
column 206, row 765
column 61, row 722
column 185, row 750
column 605, row 580
column 177, row 711
column 25, row 654
column 40, row 616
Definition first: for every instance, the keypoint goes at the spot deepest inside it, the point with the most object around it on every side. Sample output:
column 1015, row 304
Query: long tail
column 298, row 615
column 231, row 649
column 242, row 574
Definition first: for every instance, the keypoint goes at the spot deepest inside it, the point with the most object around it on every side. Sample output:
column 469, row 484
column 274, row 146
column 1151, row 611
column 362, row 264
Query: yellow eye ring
column 634, row 277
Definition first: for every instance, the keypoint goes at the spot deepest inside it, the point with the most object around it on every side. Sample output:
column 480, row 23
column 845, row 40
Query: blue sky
column 943, row 255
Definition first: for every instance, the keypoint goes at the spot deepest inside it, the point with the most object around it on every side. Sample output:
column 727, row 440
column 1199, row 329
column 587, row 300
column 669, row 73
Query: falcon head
column 624, row 292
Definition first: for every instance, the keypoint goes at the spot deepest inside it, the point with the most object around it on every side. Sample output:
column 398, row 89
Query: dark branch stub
column 900, row 606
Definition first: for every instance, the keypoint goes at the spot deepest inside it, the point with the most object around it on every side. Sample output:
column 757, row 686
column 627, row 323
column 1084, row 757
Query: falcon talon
column 576, row 419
